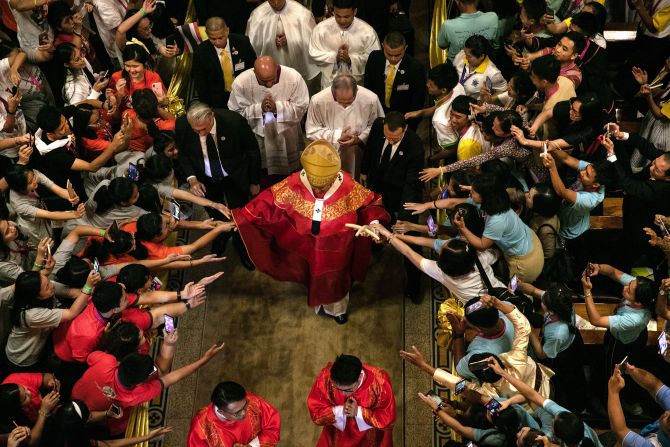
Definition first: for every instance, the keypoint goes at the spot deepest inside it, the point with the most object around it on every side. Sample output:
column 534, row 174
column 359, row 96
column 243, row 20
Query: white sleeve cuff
column 362, row 425
column 255, row 442
column 374, row 222
column 611, row 158
column 337, row 134
column 626, row 135
column 340, row 418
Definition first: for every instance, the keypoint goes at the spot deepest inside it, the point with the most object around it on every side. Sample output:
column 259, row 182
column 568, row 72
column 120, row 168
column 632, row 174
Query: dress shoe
column 341, row 319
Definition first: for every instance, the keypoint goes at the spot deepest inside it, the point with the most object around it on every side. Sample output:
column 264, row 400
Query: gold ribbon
column 134, row 41
column 441, row 10
column 444, row 331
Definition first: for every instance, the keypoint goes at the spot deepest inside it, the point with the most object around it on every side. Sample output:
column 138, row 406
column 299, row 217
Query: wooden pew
column 612, row 218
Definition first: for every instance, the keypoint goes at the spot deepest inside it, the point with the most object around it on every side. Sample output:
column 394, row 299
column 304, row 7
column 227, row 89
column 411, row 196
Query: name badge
column 403, row 87
column 239, row 66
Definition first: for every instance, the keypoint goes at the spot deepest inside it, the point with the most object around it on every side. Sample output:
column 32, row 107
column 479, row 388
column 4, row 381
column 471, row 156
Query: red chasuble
column 377, row 404
column 276, row 228
column 261, row 420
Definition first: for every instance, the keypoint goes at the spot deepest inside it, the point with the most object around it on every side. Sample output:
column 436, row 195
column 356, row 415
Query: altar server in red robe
column 295, row 230
column 354, row 403
column 235, row 418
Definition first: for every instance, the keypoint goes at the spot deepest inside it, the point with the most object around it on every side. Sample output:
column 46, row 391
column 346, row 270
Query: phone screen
column 460, row 387
column 434, row 396
column 432, row 228
column 479, row 365
column 513, row 283
column 493, row 406
column 155, row 284
column 116, row 410
column 169, row 323
column 623, row 365
column 132, row 172
column 662, row 343
column 175, row 211
column 114, row 227
column 474, row 307
column 445, row 194
column 96, row 265
column 43, row 38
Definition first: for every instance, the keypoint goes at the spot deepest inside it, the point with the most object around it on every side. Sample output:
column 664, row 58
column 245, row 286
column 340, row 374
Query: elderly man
column 273, row 98
column 296, row 231
column 343, row 115
column 218, row 61
column 342, row 43
column 282, row 29
column 220, row 160
column 235, row 417
column 354, row 404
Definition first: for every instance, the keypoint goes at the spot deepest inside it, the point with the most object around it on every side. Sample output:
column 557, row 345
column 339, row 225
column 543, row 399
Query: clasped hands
column 351, row 407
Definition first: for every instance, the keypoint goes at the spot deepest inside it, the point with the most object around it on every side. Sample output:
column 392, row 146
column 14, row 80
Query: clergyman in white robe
column 329, row 120
column 279, row 137
column 360, row 38
column 293, row 21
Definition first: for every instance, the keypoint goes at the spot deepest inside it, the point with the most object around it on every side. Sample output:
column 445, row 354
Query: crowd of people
column 303, row 138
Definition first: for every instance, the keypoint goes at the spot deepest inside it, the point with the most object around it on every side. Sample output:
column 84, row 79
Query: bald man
column 217, row 61
column 273, row 98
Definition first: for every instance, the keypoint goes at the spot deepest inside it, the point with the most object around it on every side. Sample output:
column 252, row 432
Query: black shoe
column 341, row 319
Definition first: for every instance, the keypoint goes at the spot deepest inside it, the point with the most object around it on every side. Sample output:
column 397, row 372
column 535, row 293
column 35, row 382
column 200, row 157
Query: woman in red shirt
column 135, row 76
column 92, row 128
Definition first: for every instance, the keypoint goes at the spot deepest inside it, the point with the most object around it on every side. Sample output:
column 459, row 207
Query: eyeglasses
column 237, row 413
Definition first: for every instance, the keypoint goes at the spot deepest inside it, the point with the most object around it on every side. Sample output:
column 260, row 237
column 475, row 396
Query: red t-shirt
column 74, row 342
column 156, row 250
column 140, row 140
column 31, row 382
column 99, row 387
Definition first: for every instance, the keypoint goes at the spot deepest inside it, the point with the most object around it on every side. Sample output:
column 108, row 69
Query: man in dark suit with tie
column 219, row 158
column 397, row 78
column 217, row 61
column 391, row 163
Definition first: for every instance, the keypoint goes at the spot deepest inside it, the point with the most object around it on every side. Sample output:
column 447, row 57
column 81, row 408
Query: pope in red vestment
column 295, row 230
column 373, row 425
column 259, row 428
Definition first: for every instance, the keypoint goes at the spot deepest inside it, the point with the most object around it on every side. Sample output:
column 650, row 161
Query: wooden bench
column 612, row 217
column 620, row 32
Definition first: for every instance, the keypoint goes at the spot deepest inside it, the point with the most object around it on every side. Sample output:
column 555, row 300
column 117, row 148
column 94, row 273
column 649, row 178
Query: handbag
column 560, row 267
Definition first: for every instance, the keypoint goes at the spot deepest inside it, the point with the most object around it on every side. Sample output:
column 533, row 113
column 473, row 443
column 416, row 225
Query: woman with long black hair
column 135, row 76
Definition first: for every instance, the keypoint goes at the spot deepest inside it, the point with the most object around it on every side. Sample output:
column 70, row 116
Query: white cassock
column 279, row 137
column 294, row 21
column 327, row 119
column 328, row 37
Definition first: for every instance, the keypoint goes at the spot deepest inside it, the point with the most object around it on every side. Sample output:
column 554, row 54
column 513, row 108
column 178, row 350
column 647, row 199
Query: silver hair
column 198, row 112
column 344, row 81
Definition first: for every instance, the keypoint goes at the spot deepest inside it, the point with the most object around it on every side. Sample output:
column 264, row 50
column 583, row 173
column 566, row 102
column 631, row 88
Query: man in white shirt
column 342, row 43
column 282, row 29
column 273, row 98
column 343, row 115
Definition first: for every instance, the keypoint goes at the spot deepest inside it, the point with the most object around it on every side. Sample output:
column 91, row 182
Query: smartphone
column 461, row 212
column 549, row 12
column 459, row 387
column 175, row 211
column 445, row 194
column 169, row 323
column 513, row 283
column 433, row 395
column 170, row 40
column 519, row 52
column 115, row 410
column 474, row 307
column 432, row 228
column 96, row 265
column 114, row 227
column 545, row 149
column 479, row 365
column 493, row 406
column 70, row 190
column 48, row 251
column 133, row 173
column 32, row 139
column 623, row 365
column 156, row 284
column 662, row 343
column 43, row 38
column 103, row 75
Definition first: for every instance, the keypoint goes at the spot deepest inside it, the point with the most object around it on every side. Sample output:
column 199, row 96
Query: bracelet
column 103, row 233
column 76, row 34
column 84, row 292
column 86, row 289
column 391, row 238
column 38, row 266
column 588, row 295
column 143, row 11
column 188, row 305
column 435, row 204
column 441, row 169
column 10, row 113
column 179, row 296
column 42, row 412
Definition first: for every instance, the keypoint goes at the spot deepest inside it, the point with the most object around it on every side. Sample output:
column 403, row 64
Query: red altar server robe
column 260, row 421
column 374, row 424
column 276, row 228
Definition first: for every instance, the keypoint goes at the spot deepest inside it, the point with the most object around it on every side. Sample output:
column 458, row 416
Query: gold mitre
column 321, row 163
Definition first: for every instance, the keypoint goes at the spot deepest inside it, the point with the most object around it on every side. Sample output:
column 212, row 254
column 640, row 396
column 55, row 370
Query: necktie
column 390, row 77
column 227, row 67
column 386, row 156
column 215, row 166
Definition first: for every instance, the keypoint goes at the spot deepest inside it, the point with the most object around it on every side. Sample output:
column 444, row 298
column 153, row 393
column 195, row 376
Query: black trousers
column 233, row 196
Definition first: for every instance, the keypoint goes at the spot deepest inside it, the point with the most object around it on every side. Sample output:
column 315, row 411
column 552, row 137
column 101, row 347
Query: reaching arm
column 185, row 371
column 645, row 379
column 416, row 240
column 207, row 238
column 591, row 310
column 82, row 300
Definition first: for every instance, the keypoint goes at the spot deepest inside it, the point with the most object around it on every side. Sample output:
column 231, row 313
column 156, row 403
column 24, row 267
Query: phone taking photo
column 169, row 323
column 70, row 190
column 662, row 343
column 176, row 211
column 133, row 173
column 479, row 365
column 459, row 387
column 432, row 228
column 493, row 406
column 623, row 365
column 474, row 307
column 115, row 410
column 96, row 265
column 433, row 395
column 156, row 284
column 513, row 283
column 114, row 227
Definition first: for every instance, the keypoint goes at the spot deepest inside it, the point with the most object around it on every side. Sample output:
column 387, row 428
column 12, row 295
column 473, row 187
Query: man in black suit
column 219, row 158
column 391, row 163
column 217, row 61
column 397, row 78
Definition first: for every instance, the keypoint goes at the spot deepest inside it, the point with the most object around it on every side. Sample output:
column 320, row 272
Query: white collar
column 45, row 148
column 336, row 184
